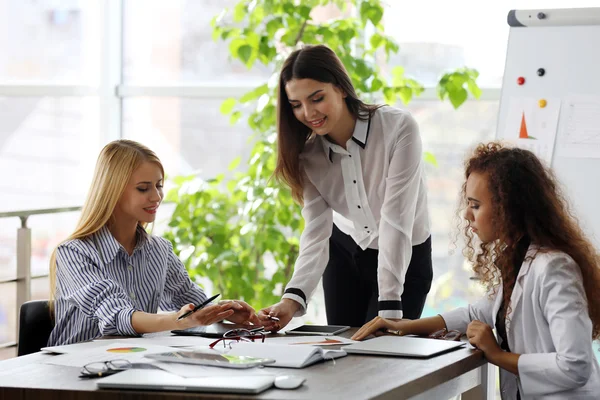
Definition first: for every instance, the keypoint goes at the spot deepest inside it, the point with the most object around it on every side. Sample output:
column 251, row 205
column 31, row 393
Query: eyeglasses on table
column 240, row 335
column 105, row 368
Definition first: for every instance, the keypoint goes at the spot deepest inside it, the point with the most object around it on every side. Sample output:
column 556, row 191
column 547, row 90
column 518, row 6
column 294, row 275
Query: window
column 182, row 51
column 46, row 40
column 437, row 36
column 189, row 135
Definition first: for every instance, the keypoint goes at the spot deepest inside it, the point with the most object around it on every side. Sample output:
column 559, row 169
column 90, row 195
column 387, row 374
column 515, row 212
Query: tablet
column 214, row 359
column 322, row 330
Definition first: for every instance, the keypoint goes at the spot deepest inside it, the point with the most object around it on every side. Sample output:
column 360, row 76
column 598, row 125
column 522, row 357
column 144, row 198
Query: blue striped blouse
column 99, row 286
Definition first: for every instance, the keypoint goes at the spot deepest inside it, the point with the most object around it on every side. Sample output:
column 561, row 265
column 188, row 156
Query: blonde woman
column 110, row 276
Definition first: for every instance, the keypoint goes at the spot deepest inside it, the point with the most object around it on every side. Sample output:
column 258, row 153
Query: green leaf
column 227, row 105
column 234, row 45
column 457, row 97
column 273, row 26
column 235, row 116
column 239, row 11
column 389, row 95
column 391, row 47
column 474, row 88
column 254, row 94
column 364, row 11
column 375, row 14
column 362, row 69
column 430, row 158
column 376, row 40
column 289, row 8
column 376, row 84
column 216, row 33
column 398, row 72
column 405, row 94
column 304, row 11
column 244, row 53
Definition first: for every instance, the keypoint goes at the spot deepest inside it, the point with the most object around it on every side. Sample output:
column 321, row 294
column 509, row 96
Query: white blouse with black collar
column 374, row 190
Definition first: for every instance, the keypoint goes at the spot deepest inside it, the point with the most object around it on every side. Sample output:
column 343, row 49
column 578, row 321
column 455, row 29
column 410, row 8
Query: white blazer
column 549, row 325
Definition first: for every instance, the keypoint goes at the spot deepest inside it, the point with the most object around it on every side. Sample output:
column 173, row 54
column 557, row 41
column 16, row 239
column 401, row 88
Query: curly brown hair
column 528, row 202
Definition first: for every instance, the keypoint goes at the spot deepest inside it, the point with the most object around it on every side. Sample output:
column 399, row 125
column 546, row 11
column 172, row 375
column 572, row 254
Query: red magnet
column 521, row 80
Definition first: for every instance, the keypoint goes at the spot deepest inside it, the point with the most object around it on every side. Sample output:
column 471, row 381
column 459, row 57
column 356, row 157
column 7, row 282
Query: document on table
column 310, row 340
column 123, row 350
column 170, row 341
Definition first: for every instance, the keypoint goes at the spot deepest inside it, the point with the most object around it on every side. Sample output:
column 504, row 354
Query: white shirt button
column 132, row 295
column 130, row 267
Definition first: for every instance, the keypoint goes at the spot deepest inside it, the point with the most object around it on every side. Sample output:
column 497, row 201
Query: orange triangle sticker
column 523, row 131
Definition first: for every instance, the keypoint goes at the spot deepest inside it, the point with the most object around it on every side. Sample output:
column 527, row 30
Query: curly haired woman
column 542, row 276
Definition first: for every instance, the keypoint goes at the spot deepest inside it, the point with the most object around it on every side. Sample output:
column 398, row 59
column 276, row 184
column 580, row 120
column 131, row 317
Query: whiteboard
column 566, row 44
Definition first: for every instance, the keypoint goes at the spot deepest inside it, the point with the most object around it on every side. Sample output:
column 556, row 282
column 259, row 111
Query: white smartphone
column 319, row 330
column 213, row 359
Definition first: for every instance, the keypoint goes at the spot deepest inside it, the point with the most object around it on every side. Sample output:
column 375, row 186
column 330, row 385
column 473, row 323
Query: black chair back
column 35, row 325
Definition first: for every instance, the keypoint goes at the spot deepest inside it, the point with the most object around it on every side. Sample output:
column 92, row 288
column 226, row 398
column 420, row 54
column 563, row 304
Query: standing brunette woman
column 357, row 169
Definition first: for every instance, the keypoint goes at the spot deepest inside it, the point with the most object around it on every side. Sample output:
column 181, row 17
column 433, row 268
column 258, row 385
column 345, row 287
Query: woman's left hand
column 242, row 312
column 481, row 336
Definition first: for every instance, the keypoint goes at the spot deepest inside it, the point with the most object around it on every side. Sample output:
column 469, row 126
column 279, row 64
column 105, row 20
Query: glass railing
column 24, row 264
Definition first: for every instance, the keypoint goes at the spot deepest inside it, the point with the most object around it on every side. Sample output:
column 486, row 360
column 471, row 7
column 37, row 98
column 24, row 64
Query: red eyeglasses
column 238, row 335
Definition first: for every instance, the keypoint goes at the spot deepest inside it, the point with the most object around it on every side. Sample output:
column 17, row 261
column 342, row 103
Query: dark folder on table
column 403, row 346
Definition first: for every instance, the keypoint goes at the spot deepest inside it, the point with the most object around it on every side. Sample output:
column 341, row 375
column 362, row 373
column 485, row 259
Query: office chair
column 35, row 325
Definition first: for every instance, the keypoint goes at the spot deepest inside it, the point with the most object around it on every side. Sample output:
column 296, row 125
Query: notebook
column 403, row 346
column 145, row 379
column 285, row 355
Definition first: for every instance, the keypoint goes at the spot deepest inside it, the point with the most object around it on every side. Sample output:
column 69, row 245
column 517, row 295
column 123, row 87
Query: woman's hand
column 284, row 311
column 481, row 336
column 205, row 316
column 242, row 312
column 379, row 326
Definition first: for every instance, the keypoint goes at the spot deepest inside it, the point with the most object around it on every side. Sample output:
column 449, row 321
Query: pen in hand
column 199, row 306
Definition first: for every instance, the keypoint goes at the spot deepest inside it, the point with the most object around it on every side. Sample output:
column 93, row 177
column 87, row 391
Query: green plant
column 230, row 230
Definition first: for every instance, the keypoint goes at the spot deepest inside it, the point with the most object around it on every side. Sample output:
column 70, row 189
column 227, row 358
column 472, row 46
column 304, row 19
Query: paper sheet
column 580, row 127
column 311, row 340
column 123, row 350
column 532, row 127
column 79, row 347
column 170, row 341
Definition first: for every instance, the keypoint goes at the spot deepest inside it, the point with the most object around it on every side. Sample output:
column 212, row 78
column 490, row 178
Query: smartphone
column 212, row 359
column 319, row 330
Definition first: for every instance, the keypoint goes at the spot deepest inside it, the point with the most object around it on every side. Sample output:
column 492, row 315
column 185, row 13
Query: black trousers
column 350, row 281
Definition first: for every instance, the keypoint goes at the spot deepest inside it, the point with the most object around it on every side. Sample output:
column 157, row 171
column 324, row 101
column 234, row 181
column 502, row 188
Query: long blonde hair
column 116, row 163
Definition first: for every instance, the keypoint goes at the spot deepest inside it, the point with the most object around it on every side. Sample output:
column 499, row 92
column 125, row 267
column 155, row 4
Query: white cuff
column 396, row 314
column 299, row 300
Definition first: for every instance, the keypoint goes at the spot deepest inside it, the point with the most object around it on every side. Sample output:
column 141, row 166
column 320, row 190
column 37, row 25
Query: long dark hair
column 321, row 64
column 528, row 203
